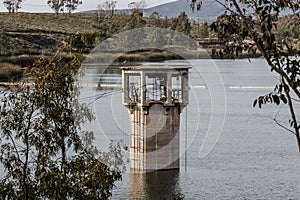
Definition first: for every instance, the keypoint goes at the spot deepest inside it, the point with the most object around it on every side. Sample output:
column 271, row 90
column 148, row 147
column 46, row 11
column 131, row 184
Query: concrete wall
column 154, row 138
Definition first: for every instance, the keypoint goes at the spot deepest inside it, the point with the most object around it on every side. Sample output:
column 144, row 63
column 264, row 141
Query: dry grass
column 40, row 33
column 10, row 72
column 47, row 22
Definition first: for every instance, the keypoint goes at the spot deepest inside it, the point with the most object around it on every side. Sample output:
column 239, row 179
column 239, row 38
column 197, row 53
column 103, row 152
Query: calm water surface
column 253, row 158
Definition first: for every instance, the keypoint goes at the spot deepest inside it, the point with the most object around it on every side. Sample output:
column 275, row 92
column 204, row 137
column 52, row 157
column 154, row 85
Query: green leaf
column 276, row 99
column 255, row 102
column 283, row 98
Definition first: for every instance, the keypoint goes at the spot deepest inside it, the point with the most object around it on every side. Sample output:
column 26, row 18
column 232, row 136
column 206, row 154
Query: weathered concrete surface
column 154, row 138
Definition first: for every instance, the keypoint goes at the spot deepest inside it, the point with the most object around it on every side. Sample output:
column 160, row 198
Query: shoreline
column 24, row 61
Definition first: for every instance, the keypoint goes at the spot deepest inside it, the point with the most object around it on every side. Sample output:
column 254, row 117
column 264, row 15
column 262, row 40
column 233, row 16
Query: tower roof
column 156, row 67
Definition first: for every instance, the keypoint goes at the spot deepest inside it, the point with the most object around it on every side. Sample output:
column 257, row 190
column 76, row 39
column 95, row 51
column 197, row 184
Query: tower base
column 154, row 138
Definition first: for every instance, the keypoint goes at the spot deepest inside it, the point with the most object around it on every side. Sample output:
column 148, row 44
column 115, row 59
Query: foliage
column 10, row 72
column 107, row 7
column 44, row 151
column 22, row 61
column 114, row 24
column 257, row 21
column 195, row 4
column 109, row 25
column 56, row 5
column 177, row 196
column 60, row 5
column 12, row 5
column 200, row 30
column 136, row 20
column 41, row 33
column 71, row 5
column 82, row 42
column 137, row 5
column 182, row 24
column 289, row 26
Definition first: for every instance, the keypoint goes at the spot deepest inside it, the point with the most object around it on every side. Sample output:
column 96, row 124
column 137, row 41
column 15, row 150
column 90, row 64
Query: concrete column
column 124, row 87
column 185, row 89
column 142, row 93
column 169, row 88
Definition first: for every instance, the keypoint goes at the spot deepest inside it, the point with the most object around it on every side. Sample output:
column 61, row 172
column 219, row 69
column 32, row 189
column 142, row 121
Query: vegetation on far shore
column 24, row 37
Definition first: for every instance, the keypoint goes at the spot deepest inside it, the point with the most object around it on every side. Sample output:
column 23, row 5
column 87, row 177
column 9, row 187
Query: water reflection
column 154, row 185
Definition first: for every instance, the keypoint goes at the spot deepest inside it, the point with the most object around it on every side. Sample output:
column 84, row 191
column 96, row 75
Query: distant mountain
column 118, row 11
column 209, row 10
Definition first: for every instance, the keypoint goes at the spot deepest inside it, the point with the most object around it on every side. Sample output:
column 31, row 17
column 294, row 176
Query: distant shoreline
column 23, row 61
column 163, row 56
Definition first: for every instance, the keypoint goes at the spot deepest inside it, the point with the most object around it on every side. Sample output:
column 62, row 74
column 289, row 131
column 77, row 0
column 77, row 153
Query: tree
column 204, row 30
column 12, row 5
column 134, row 39
column 136, row 20
column 72, row 5
column 154, row 15
column 60, row 5
column 138, row 5
column 257, row 21
column 44, row 151
column 182, row 24
column 57, row 5
column 108, row 7
column 83, row 42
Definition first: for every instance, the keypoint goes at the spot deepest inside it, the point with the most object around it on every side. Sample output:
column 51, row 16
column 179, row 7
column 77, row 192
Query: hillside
column 41, row 33
column 33, row 33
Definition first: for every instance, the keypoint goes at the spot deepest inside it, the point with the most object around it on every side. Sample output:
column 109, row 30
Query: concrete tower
column 155, row 97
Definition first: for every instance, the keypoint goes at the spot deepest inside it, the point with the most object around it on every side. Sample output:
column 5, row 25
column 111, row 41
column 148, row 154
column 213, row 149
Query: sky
column 41, row 5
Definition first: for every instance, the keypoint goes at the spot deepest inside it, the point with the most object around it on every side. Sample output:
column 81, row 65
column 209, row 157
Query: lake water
column 252, row 159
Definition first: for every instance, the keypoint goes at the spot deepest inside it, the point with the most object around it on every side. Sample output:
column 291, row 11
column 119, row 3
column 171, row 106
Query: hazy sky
column 41, row 5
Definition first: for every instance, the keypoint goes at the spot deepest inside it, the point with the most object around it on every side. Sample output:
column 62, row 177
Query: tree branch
column 260, row 47
column 14, row 145
column 292, row 111
column 279, row 124
column 287, row 129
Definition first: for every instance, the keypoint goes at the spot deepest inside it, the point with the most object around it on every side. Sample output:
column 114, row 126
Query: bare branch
column 297, row 100
column 279, row 124
column 282, row 126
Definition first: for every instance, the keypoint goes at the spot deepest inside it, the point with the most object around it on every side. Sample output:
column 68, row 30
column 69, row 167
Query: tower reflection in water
column 154, row 185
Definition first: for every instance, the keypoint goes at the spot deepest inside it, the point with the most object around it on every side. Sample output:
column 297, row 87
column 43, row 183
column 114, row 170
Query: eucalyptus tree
column 257, row 20
column 107, row 7
column 181, row 23
column 12, row 5
column 60, row 5
column 72, row 5
column 137, row 5
column 44, row 152
column 136, row 20
column 203, row 30
column 56, row 5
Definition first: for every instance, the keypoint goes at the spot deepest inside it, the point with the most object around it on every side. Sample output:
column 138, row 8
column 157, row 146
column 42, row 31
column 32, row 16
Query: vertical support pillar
column 185, row 88
column 125, row 88
column 142, row 120
column 142, row 88
column 169, row 88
